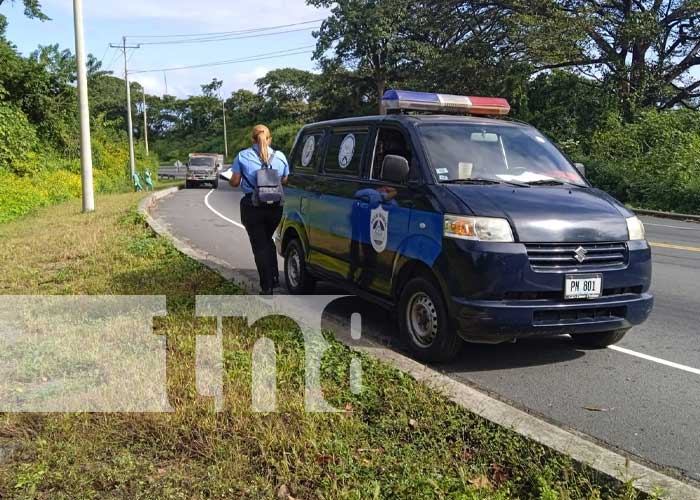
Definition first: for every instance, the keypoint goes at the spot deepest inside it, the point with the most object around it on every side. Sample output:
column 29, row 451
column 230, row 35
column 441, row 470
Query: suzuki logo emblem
column 580, row 254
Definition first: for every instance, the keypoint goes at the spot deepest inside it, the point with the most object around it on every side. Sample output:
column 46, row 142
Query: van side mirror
column 395, row 169
column 581, row 168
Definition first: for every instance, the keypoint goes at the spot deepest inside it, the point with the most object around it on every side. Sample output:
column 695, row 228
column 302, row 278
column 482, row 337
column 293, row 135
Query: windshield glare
column 494, row 152
column 201, row 162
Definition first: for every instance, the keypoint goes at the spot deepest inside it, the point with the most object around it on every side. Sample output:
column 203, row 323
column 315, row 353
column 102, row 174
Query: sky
column 106, row 21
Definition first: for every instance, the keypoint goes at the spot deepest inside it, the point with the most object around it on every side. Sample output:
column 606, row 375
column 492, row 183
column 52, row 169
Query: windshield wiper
column 552, row 182
column 481, row 180
column 474, row 180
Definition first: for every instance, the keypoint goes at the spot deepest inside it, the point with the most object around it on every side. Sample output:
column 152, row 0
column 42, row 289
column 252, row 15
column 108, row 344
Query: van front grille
column 576, row 256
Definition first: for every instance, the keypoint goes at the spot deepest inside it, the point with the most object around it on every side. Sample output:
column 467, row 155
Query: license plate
column 583, row 287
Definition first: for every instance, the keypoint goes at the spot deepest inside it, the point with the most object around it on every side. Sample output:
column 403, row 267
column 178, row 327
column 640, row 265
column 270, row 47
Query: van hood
column 549, row 214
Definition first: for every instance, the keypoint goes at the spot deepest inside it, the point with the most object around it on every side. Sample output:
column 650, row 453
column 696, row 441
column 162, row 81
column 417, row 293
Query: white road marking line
column 678, row 366
column 673, row 227
column 216, row 212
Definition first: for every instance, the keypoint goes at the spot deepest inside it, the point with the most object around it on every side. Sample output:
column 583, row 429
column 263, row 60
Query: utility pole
column 223, row 107
column 145, row 120
column 85, row 146
column 132, row 159
column 165, row 77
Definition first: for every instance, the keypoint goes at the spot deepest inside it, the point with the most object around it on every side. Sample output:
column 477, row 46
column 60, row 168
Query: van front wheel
column 424, row 322
column 598, row 340
column 299, row 281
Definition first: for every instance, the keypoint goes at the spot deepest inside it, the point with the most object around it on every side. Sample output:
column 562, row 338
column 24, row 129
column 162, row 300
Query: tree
column 340, row 92
column 646, row 50
column 287, row 93
column 32, row 9
column 366, row 36
column 450, row 46
column 60, row 63
column 245, row 108
column 212, row 89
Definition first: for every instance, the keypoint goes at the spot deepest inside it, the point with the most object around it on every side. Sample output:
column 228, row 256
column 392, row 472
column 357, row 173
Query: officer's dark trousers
column 261, row 223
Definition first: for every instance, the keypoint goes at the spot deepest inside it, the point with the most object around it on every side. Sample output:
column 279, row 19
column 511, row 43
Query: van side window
column 345, row 150
column 389, row 142
column 308, row 152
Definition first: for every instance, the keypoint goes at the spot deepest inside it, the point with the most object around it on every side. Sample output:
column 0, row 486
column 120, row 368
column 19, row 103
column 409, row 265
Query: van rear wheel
column 424, row 322
column 598, row 340
column 299, row 281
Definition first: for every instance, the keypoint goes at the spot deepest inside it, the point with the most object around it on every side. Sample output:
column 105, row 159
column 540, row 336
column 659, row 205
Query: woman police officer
column 260, row 221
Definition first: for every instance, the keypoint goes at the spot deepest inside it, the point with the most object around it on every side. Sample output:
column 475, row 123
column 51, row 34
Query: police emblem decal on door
column 379, row 228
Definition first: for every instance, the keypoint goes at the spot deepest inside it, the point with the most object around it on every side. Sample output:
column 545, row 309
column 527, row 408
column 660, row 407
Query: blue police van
column 469, row 226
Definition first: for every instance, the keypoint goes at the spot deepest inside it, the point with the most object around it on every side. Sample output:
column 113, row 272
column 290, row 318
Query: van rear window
column 345, row 152
column 307, row 153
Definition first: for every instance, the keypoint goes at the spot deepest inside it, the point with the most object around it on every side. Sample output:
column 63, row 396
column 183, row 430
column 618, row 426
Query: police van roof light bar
column 406, row 100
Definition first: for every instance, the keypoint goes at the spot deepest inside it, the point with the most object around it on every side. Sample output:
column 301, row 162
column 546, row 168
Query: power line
column 133, row 51
column 101, row 59
column 237, row 32
column 227, row 37
column 259, row 57
column 112, row 61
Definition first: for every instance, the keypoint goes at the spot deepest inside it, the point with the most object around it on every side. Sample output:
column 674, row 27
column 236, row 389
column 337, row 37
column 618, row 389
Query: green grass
column 397, row 439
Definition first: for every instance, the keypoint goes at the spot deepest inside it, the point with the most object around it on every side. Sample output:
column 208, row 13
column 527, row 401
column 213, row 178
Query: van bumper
column 501, row 321
column 496, row 295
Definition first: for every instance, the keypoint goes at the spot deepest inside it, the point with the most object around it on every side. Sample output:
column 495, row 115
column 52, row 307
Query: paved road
column 648, row 389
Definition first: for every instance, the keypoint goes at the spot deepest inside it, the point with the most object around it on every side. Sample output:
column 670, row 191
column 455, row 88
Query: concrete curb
column 667, row 215
column 567, row 442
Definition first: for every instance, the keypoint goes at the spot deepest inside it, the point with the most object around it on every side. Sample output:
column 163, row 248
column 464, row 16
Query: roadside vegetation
column 397, row 439
column 616, row 86
column 39, row 128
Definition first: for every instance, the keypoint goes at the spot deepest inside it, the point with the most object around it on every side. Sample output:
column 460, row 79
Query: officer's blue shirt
column 247, row 163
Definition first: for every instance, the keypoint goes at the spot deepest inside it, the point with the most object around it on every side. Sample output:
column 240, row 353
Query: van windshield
column 493, row 153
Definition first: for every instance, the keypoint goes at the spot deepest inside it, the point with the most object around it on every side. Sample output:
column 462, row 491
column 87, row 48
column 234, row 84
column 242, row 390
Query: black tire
column 421, row 301
column 216, row 184
column 297, row 277
column 598, row 340
column 188, row 185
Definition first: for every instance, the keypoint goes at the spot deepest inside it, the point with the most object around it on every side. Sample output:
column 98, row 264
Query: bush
column 39, row 179
column 651, row 163
column 21, row 195
column 284, row 135
column 17, row 140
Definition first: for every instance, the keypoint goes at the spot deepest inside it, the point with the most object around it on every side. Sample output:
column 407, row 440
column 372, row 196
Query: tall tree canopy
column 366, row 35
column 645, row 49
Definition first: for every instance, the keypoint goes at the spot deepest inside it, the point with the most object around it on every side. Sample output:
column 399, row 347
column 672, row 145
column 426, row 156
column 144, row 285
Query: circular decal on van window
column 347, row 151
column 307, row 153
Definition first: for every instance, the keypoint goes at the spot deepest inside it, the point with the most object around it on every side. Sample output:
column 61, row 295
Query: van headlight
column 635, row 228
column 478, row 228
